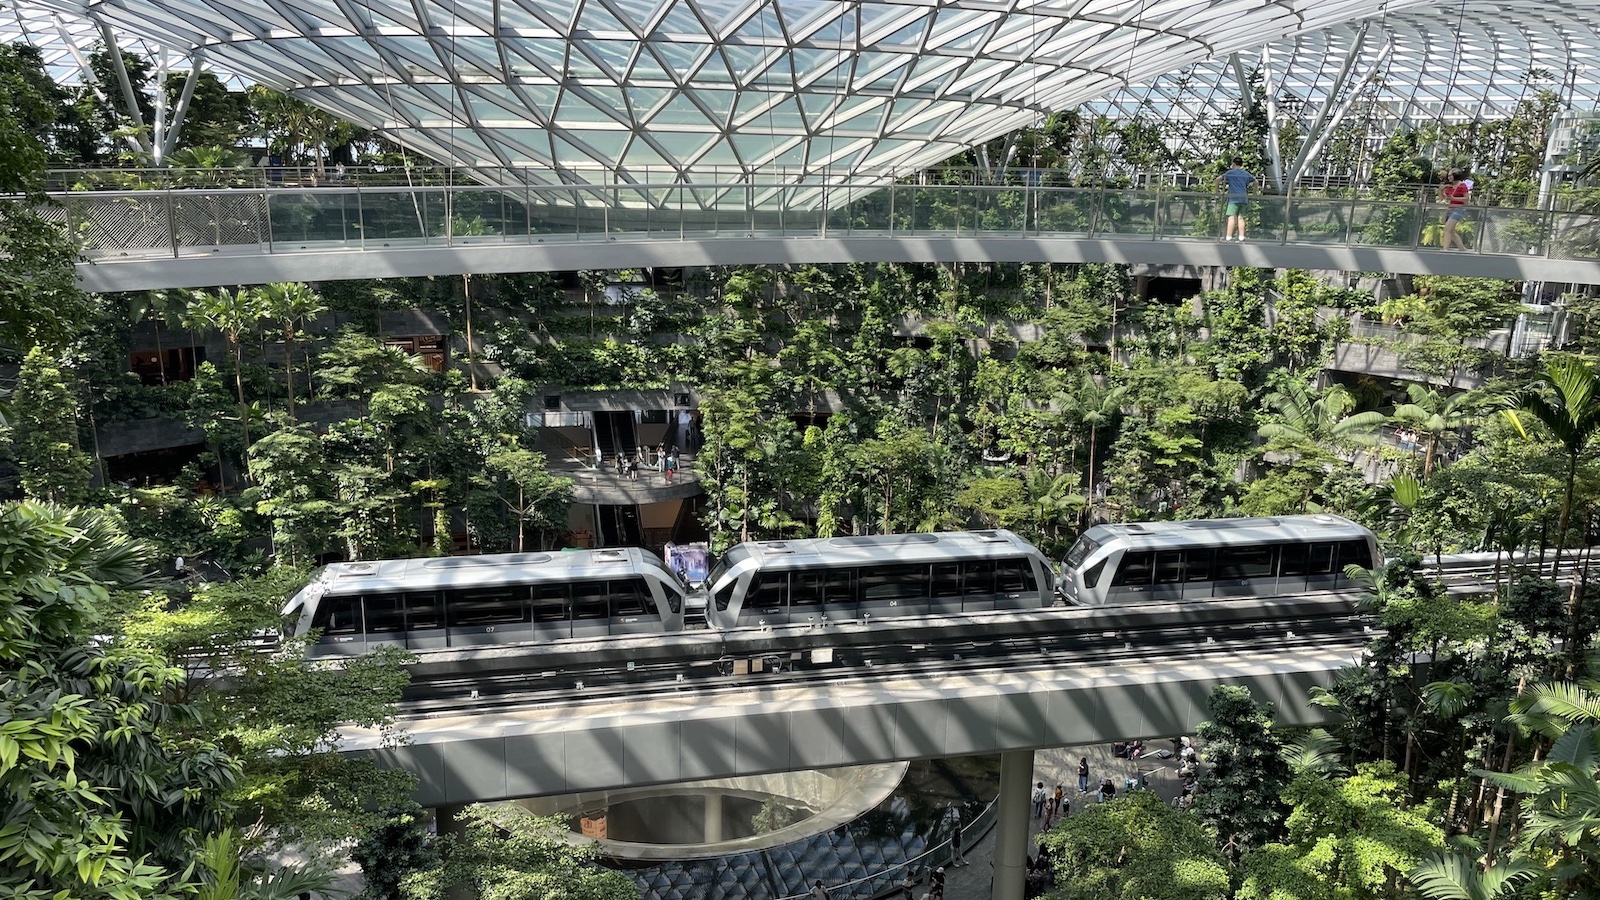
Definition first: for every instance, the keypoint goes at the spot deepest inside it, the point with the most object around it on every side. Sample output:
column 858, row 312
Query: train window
column 386, row 613
column 339, row 615
column 723, row 595
column 1080, row 551
column 628, row 598
column 550, row 603
column 424, row 611
column 1091, row 575
column 477, row 607
column 1246, row 562
column 768, row 590
column 1134, row 570
column 589, row 600
column 807, row 588
column 946, row 579
column 1199, row 564
column 839, row 587
column 1014, row 576
column 1323, row 558
column 1354, row 553
column 894, row 582
column 1169, row 567
column 977, row 578
column 1307, row 559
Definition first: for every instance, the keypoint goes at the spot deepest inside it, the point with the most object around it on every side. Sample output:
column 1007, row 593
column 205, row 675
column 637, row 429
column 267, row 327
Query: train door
column 894, row 590
column 488, row 615
column 1015, row 586
column 591, row 609
column 840, row 599
column 339, row 620
column 1246, row 570
column 1308, row 567
column 1199, row 573
column 766, row 600
column 1133, row 580
column 1167, row 579
column 977, row 585
column 808, row 593
column 1356, row 553
column 945, row 588
column 425, row 621
column 551, row 607
column 632, row 608
column 386, row 620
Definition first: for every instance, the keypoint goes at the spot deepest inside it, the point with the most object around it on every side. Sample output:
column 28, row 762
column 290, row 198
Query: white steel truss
column 664, row 90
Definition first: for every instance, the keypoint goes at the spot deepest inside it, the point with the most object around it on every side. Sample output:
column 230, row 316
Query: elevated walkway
column 758, row 726
column 170, row 238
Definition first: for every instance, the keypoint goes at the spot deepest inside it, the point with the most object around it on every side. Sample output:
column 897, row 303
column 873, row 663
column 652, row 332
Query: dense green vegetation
column 836, row 399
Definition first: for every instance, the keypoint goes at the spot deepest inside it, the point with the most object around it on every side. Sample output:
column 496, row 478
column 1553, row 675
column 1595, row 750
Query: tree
column 1437, row 416
column 1241, row 792
column 45, row 413
column 1349, row 838
column 235, row 314
column 1323, row 419
column 397, row 846
column 290, row 304
column 1451, row 877
column 40, row 301
column 101, row 795
column 541, row 497
column 1133, row 847
column 504, row 853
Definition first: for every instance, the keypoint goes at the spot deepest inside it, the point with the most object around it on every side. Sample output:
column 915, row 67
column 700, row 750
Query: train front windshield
column 1080, row 551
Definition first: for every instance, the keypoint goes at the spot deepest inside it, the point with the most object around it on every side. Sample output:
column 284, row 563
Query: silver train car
column 473, row 601
column 883, row 576
column 1205, row 559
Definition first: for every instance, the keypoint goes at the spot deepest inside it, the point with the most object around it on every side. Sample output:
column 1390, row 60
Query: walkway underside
column 248, row 264
column 763, row 725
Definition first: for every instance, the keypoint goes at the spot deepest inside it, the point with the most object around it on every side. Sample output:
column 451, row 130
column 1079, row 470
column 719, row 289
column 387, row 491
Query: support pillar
column 713, row 824
column 1011, row 825
column 446, row 820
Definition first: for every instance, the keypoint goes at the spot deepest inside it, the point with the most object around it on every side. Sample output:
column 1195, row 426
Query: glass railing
column 180, row 222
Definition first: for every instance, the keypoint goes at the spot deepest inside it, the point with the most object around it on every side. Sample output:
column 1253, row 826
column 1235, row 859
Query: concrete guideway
column 683, row 735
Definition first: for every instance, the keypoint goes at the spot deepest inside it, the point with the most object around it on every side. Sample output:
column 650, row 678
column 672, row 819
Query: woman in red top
column 1456, row 193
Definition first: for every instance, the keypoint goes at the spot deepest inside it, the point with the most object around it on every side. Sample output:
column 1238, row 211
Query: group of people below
column 663, row 459
column 1455, row 193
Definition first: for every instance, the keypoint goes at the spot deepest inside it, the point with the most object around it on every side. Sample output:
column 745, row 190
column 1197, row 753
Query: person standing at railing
column 1238, row 182
column 1456, row 193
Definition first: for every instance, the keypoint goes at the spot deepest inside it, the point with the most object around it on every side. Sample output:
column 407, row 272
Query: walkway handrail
column 178, row 222
column 429, row 175
column 936, row 854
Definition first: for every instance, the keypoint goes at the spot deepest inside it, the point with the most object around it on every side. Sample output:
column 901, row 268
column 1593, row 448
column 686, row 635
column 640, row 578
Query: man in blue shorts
column 1239, row 182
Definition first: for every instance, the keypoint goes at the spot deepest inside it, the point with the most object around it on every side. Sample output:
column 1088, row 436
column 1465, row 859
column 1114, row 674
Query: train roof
column 881, row 548
column 435, row 572
column 1225, row 532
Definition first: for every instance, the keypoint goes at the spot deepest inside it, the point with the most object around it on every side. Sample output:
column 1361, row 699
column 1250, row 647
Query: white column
column 713, row 824
column 1011, row 825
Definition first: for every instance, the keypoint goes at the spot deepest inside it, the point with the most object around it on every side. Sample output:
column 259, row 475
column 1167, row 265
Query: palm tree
column 235, row 314
column 1452, row 877
column 290, row 304
column 1564, row 398
column 1305, row 416
column 1097, row 406
column 1437, row 416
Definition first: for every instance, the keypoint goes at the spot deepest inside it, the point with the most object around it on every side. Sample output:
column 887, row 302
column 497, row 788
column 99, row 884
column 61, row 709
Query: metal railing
column 176, row 222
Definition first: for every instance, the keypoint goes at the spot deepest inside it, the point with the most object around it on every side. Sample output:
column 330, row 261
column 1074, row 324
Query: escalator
column 604, row 438
column 619, row 526
column 619, row 431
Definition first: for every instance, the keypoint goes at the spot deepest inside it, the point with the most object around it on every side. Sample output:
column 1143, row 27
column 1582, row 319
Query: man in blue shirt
column 1239, row 182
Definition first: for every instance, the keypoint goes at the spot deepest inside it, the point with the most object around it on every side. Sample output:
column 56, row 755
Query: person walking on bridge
column 1238, row 182
column 1456, row 193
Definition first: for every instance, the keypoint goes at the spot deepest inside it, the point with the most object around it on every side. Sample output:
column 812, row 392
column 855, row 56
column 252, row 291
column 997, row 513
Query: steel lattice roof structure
column 589, row 90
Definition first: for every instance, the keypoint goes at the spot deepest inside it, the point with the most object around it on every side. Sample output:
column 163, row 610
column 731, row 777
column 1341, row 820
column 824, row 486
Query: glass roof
column 659, row 90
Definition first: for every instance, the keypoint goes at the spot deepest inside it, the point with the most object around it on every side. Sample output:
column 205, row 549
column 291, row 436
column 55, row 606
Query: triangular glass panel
column 595, row 18
column 680, row 110
column 606, row 144
column 642, row 99
column 715, row 70
column 761, row 29
column 680, row 20
column 720, row 102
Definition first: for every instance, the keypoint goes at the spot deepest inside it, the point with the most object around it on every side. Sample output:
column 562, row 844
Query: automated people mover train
column 508, row 598
column 1205, row 559
column 520, row 598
